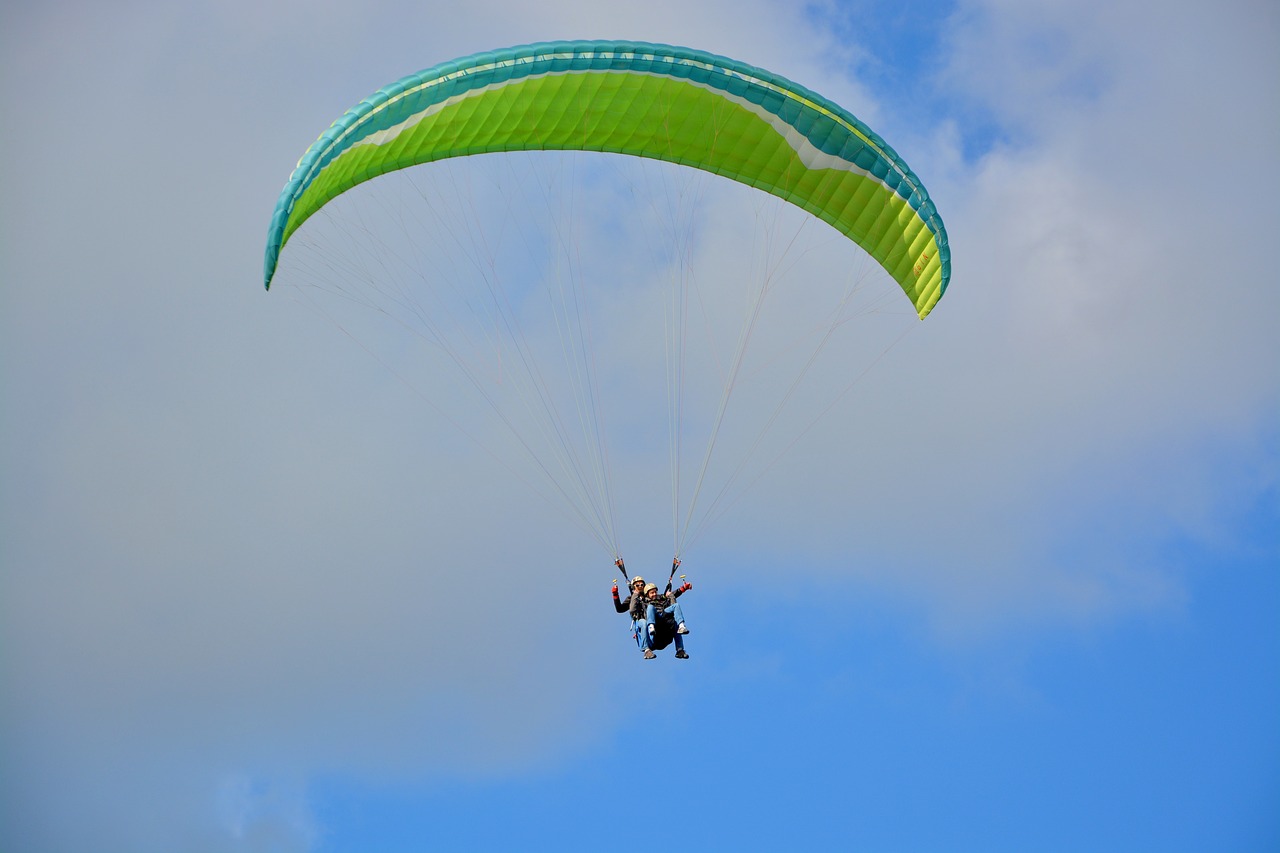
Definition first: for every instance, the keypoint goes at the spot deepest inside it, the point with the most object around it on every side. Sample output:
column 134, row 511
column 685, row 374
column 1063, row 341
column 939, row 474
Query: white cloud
column 1107, row 315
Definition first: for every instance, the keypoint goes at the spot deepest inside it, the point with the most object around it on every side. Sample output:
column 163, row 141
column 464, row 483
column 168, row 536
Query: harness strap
column 675, row 564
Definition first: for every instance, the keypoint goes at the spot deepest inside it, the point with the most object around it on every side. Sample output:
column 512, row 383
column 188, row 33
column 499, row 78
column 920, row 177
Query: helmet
column 652, row 586
column 637, row 579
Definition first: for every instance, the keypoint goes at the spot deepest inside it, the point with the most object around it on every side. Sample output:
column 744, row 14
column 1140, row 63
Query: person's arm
column 682, row 589
column 618, row 604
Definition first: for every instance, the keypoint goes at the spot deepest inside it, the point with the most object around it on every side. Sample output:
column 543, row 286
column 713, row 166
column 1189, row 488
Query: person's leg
column 660, row 627
column 678, row 613
column 646, row 631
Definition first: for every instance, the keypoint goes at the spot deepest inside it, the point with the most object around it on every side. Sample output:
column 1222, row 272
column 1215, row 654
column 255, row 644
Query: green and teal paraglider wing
column 647, row 100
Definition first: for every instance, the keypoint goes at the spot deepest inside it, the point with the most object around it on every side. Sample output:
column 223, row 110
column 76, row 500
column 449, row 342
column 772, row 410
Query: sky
column 1018, row 592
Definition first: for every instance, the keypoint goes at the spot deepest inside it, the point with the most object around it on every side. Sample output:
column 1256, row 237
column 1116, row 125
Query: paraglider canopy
column 668, row 103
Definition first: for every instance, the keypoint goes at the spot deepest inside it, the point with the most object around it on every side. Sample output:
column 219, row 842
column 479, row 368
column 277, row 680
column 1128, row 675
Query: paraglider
column 682, row 106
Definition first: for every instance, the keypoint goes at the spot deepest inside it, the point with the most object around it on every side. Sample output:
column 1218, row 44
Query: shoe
column 682, row 629
column 649, row 655
column 682, row 654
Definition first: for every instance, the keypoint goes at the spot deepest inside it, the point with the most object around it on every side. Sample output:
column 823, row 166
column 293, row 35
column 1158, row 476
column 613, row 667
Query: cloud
column 1097, row 327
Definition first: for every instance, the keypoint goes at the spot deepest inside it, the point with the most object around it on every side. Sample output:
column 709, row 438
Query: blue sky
column 1143, row 738
column 255, row 595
